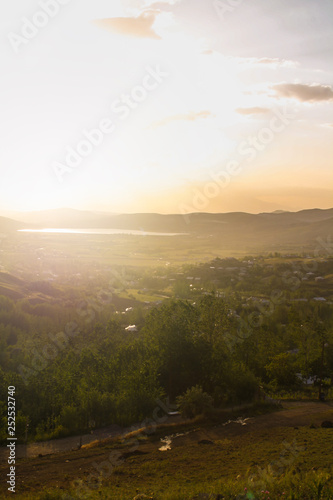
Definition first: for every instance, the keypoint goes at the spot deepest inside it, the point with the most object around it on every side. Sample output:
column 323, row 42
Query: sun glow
column 222, row 84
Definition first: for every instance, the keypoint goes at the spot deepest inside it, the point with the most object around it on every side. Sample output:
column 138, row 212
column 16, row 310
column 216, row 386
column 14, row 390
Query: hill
column 9, row 225
column 62, row 217
column 12, row 287
column 291, row 451
column 193, row 223
column 282, row 231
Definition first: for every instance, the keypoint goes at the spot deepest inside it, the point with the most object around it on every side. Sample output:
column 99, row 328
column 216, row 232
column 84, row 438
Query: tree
column 281, row 370
column 169, row 338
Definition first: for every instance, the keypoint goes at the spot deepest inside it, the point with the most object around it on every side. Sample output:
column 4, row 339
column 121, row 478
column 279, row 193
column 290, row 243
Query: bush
column 282, row 372
column 194, row 402
column 69, row 419
column 243, row 386
column 59, row 432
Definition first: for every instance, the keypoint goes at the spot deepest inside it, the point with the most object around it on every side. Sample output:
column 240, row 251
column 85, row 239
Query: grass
column 306, row 394
column 290, row 486
column 240, row 463
column 135, row 294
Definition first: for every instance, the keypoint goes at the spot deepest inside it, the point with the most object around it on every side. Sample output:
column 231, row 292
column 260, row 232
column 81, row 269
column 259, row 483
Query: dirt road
column 60, row 469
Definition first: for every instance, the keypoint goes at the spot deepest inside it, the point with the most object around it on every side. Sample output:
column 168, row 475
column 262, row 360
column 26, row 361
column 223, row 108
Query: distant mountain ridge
column 233, row 228
column 71, row 218
column 8, row 225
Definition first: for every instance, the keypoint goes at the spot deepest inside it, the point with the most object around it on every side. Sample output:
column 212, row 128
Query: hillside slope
column 203, row 456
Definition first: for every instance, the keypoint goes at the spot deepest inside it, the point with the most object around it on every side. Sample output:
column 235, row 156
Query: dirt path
column 60, row 469
column 295, row 413
column 63, row 444
column 72, row 443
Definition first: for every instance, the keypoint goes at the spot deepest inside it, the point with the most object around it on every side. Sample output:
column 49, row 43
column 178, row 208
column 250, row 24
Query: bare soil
column 59, row 470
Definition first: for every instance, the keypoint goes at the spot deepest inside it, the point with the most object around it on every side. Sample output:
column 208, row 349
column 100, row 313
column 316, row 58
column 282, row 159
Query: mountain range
column 235, row 227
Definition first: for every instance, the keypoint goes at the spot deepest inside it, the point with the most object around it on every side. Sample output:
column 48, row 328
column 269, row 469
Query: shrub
column 194, row 402
column 243, row 385
column 69, row 419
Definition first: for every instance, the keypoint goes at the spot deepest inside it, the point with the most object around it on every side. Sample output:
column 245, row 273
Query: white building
column 131, row 328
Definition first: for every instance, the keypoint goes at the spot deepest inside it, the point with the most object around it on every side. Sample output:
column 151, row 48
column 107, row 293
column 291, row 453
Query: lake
column 98, row 231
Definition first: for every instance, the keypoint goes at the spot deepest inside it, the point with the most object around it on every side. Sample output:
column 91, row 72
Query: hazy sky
column 201, row 105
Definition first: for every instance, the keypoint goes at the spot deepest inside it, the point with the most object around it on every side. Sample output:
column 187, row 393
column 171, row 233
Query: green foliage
column 70, row 418
column 194, row 402
column 281, row 370
column 243, row 384
column 314, row 485
column 169, row 336
column 226, row 342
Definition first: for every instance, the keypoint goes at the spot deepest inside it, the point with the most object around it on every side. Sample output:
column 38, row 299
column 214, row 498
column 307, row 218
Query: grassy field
column 72, row 251
column 286, row 453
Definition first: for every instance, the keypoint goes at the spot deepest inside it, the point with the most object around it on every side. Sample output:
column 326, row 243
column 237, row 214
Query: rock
column 205, row 441
column 327, row 424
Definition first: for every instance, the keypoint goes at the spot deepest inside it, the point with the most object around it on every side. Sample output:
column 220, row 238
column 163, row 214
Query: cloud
column 270, row 62
column 138, row 6
column 140, row 26
column 160, row 3
column 252, row 111
column 193, row 116
column 276, row 62
column 326, row 125
column 304, row 93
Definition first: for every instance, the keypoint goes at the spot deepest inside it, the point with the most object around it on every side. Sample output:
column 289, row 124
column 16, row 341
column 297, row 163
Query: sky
column 170, row 106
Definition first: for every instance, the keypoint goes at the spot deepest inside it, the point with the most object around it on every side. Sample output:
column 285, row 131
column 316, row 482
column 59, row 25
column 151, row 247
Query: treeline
column 104, row 375
column 258, row 276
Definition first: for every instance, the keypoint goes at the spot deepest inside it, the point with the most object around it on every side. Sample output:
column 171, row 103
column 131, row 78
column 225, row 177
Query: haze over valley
column 166, row 250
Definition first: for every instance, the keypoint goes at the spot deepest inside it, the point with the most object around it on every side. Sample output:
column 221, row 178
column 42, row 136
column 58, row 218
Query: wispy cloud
column 252, row 111
column 193, row 116
column 326, row 125
column 140, row 26
column 304, row 93
column 269, row 62
column 160, row 3
column 276, row 62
